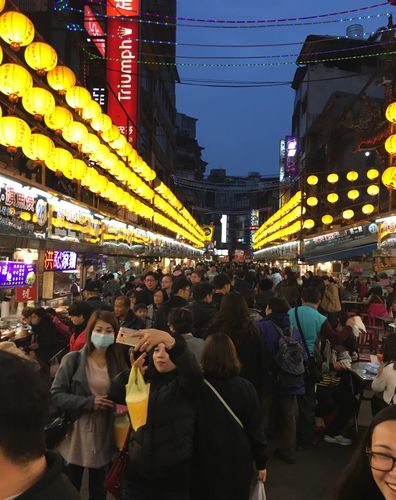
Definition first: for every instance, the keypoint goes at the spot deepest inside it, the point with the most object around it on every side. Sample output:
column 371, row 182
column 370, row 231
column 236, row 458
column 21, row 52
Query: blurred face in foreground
column 162, row 361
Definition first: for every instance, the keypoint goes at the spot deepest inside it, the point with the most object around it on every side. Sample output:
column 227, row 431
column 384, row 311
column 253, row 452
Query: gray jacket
column 70, row 390
column 195, row 345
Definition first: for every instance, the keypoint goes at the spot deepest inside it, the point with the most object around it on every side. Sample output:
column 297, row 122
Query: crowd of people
column 235, row 356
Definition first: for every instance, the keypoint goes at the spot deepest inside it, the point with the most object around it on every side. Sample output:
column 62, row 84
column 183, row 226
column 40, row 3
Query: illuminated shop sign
column 94, row 30
column 74, row 223
column 122, row 64
column 15, row 274
column 60, row 260
column 291, row 153
column 22, row 210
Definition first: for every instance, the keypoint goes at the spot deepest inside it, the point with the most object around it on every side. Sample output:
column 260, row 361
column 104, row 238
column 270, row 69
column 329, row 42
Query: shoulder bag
column 314, row 368
column 224, row 403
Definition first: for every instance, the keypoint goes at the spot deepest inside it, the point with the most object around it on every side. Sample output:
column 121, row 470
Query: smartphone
column 128, row 337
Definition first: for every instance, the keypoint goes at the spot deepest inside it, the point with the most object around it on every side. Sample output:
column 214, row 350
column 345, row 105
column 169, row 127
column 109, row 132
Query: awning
column 342, row 254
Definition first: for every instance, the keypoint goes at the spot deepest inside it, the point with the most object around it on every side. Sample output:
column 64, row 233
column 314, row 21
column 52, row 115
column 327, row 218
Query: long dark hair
column 114, row 352
column 233, row 318
column 357, row 480
column 219, row 357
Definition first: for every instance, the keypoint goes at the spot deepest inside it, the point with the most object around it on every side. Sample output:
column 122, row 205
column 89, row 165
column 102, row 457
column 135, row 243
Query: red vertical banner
column 122, row 65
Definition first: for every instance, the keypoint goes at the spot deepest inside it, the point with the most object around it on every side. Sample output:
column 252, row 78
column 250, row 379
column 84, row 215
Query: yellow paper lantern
column 390, row 144
column 99, row 186
column 101, row 123
column 112, row 134
column 77, row 97
column 110, row 162
column 59, row 119
column 2, row 5
column 389, row 178
column 77, row 170
column 38, row 147
column 91, row 111
column 14, row 132
column 91, row 143
column 16, row 29
column 352, row 176
column 353, row 194
column 368, row 209
column 372, row 174
column 332, row 197
column 332, row 178
column 59, row 161
column 348, row 214
column 38, row 102
column 373, row 190
column 312, row 201
column 312, row 180
column 1, row 54
column 76, row 133
column 327, row 219
column 119, row 143
column 41, row 57
column 390, row 112
column 126, row 150
column 309, row 224
column 61, row 79
column 15, row 81
column 91, row 176
column 101, row 153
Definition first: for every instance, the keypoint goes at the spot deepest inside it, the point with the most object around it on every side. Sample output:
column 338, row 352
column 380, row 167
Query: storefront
column 66, row 242
column 353, row 246
column 385, row 255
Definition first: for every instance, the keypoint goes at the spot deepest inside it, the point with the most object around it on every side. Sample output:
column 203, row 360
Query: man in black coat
column 145, row 294
column 202, row 309
column 27, row 471
column 91, row 294
column 179, row 298
column 126, row 317
column 222, row 285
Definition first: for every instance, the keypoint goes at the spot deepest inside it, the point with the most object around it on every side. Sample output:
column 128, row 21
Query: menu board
column 15, row 274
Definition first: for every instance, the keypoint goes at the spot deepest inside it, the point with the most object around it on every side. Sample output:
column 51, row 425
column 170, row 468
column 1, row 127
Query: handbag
column 115, row 476
column 224, row 403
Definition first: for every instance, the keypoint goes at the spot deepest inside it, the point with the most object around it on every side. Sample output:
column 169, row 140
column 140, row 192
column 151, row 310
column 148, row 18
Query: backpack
column 288, row 366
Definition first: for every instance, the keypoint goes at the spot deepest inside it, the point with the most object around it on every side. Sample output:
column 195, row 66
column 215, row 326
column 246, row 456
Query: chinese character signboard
column 27, row 293
column 16, row 274
column 22, row 211
column 291, row 156
column 122, row 64
column 73, row 223
column 60, row 260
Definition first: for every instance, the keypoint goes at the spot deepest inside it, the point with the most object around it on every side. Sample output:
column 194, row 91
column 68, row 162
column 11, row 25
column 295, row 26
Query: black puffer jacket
column 203, row 313
column 162, row 449
column 161, row 322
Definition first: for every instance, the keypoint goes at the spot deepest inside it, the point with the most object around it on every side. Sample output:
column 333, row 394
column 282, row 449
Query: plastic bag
column 137, row 398
column 258, row 492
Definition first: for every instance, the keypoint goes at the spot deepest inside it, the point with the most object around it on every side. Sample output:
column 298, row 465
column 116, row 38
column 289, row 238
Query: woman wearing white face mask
column 80, row 391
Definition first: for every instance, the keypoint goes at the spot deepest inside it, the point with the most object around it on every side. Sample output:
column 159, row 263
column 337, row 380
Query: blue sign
column 60, row 260
column 14, row 274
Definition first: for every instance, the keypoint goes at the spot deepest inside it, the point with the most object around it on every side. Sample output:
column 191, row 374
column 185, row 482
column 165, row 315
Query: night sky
column 240, row 129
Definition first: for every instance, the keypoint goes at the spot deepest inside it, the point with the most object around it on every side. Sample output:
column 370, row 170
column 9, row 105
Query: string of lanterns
column 117, row 157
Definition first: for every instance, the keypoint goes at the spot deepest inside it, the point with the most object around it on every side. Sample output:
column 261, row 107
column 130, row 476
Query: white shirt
column 386, row 382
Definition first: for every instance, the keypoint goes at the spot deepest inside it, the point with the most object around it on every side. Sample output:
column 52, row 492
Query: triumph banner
column 122, row 65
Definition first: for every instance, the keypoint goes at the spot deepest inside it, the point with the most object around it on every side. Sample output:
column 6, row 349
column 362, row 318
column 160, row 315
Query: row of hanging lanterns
column 389, row 176
column 351, row 176
column 16, row 82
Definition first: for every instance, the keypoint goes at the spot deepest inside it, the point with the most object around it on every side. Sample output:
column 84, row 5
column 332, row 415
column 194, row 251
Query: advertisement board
column 15, row 274
column 22, row 210
column 291, row 156
column 60, row 260
column 122, row 65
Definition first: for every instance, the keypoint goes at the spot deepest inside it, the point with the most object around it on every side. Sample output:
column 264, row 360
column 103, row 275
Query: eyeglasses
column 380, row 461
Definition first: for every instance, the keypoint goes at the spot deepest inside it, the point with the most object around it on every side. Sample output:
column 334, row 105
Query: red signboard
column 26, row 293
column 122, row 65
column 94, row 29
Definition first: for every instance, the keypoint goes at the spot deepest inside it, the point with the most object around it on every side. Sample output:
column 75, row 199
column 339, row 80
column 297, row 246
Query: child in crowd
column 141, row 311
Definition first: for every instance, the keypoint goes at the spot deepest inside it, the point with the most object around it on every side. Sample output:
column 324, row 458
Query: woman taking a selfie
column 80, row 390
column 371, row 475
column 160, row 451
